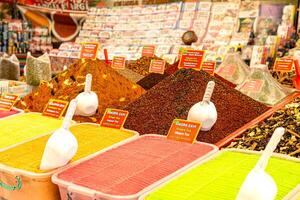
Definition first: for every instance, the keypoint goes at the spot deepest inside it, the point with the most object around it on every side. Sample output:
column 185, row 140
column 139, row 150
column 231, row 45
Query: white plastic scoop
column 258, row 184
column 87, row 101
column 62, row 145
column 205, row 111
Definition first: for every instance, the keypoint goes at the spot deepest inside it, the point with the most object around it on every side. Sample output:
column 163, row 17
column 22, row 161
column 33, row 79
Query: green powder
column 222, row 177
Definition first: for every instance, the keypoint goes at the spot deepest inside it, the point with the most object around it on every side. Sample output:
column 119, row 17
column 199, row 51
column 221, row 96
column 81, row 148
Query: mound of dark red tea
column 172, row 98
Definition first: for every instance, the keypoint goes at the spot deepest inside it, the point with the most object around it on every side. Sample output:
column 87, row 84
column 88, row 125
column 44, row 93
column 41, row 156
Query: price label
column 148, row 51
column 7, row 102
column 191, row 59
column 55, row 108
column 227, row 70
column 114, row 118
column 209, row 67
column 254, row 86
column 184, row 130
column 284, row 64
column 89, row 50
column 118, row 62
column 157, row 66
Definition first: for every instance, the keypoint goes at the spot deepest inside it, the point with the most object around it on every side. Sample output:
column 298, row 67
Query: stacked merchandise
column 153, row 24
column 249, row 11
column 67, row 54
column 201, row 20
column 41, row 40
column 14, row 36
column 221, row 25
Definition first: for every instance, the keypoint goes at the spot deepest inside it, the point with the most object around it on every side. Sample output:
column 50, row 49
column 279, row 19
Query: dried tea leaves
column 257, row 137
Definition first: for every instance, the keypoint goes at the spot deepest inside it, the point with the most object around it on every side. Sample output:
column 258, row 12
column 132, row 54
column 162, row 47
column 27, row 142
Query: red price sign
column 191, row 59
column 55, row 108
column 209, row 67
column 7, row 102
column 118, row 62
column 114, row 118
column 157, row 66
column 148, row 51
column 184, row 130
column 89, row 50
column 254, row 86
column 284, row 64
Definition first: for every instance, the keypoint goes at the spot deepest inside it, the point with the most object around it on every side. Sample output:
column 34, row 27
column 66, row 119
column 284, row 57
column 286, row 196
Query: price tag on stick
column 209, row 67
column 191, row 59
column 55, row 108
column 7, row 102
column 148, row 51
column 89, row 50
column 118, row 62
column 157, row 66
column 114, row 118
column 284, row 64
column 184, row 130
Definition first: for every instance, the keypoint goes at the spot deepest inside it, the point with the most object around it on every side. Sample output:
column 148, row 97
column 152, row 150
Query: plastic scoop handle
column 70, row 112
column 88, row 83
column 271, row 146
column 208, row 91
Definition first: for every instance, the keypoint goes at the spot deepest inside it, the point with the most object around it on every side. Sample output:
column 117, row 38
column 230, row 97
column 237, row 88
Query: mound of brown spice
column 172, row 98
column 113, row 89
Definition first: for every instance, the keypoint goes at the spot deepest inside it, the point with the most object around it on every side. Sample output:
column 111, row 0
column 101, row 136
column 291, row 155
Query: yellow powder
column 91, row 139
column 24, row 127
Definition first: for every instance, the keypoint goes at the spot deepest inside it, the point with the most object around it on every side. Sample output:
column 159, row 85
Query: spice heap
column 142, row 65
column 257, row 137
column 113, row 90
column 172, row 98
column 130, row 75
column 285, row 78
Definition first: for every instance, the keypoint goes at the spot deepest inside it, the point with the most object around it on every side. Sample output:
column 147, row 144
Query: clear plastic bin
column 12, row 112
column 20, row 176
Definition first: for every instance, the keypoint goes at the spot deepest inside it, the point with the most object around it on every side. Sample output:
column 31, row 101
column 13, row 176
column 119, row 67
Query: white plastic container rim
column 95, row 195
column 20, row 172
column 291, row 196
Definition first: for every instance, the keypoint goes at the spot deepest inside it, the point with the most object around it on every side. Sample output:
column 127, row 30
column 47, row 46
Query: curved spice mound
column 141, row 66
column 172, row 98
column 113, row 89
column 153, row 78
column 257, row 137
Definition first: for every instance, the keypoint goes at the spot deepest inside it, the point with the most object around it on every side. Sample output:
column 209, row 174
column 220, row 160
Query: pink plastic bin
column 14, row 111
column 130, row 170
